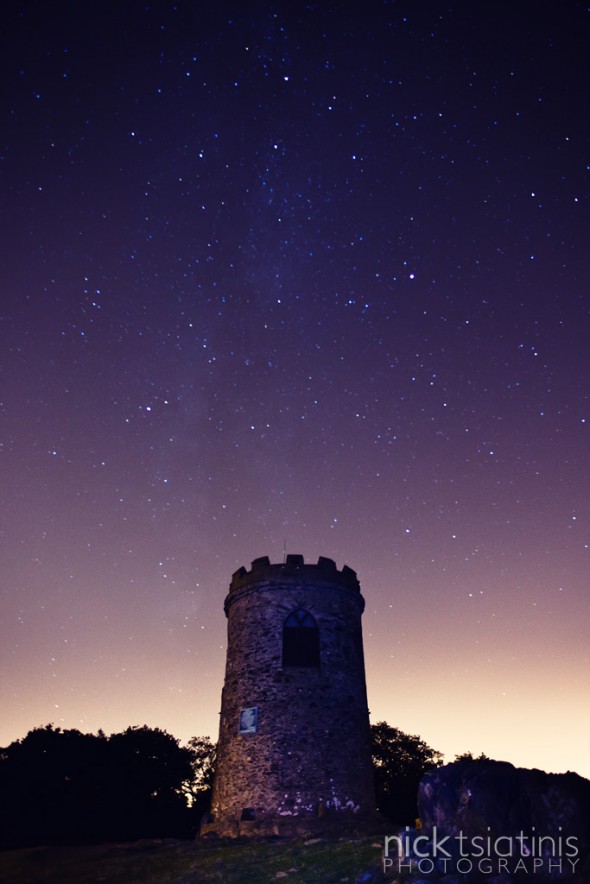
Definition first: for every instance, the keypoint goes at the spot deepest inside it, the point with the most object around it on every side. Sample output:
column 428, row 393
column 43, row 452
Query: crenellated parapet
column 293, row 571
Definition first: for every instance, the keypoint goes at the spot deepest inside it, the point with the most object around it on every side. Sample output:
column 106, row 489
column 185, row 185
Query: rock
column 525, row 821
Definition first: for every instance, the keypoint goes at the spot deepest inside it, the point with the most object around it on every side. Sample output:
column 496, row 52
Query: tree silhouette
column 198, row 788
column 400, row 761
column 142, row 793
column 43, row 779
column 65, row 787
column 469, row 756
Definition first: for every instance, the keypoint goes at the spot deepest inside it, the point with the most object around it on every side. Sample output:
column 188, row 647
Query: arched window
column 301, row 640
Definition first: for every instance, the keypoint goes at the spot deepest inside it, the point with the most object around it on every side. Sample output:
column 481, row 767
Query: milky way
column 298, row 277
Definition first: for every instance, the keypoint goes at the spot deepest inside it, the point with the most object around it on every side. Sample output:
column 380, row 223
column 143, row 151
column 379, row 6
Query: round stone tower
column 294, row 743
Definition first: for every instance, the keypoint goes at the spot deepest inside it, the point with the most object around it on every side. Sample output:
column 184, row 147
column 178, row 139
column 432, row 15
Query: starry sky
column 307, row 276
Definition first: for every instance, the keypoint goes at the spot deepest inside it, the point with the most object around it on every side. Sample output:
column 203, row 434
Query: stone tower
column 294, row 746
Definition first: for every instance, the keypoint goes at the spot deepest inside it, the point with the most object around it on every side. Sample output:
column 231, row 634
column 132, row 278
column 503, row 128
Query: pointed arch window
column 301, row 640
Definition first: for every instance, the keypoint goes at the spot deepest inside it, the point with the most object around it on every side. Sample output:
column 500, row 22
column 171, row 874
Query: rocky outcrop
column 508, row 822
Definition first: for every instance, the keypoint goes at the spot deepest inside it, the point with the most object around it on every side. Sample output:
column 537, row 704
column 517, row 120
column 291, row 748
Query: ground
column 181, row 862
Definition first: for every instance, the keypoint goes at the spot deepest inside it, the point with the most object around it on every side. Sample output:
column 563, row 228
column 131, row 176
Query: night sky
column 303, row 276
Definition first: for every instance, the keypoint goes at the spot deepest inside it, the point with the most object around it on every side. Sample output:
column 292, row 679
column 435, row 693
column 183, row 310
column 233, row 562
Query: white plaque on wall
column 248, row 720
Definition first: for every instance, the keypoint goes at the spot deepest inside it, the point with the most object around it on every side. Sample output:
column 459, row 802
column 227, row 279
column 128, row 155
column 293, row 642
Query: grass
column 182, row 862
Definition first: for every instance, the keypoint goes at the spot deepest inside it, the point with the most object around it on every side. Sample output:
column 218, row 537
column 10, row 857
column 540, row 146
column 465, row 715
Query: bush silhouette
column 66, row 787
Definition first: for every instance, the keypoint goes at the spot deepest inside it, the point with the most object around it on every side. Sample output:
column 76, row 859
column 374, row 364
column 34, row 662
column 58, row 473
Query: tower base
column 331, row 825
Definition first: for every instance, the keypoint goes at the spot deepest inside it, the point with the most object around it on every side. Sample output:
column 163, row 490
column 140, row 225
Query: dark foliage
column 399, row 761
column 66, row 787
column 198, row 788
column 469, row 756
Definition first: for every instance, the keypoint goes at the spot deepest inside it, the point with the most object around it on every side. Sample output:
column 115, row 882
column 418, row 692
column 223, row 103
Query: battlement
column 292, row 571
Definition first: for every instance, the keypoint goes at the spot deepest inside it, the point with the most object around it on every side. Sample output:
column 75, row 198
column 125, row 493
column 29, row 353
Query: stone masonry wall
column 310, row 754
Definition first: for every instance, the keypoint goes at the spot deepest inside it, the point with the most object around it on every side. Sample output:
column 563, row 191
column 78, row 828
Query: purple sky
column 299, row 274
